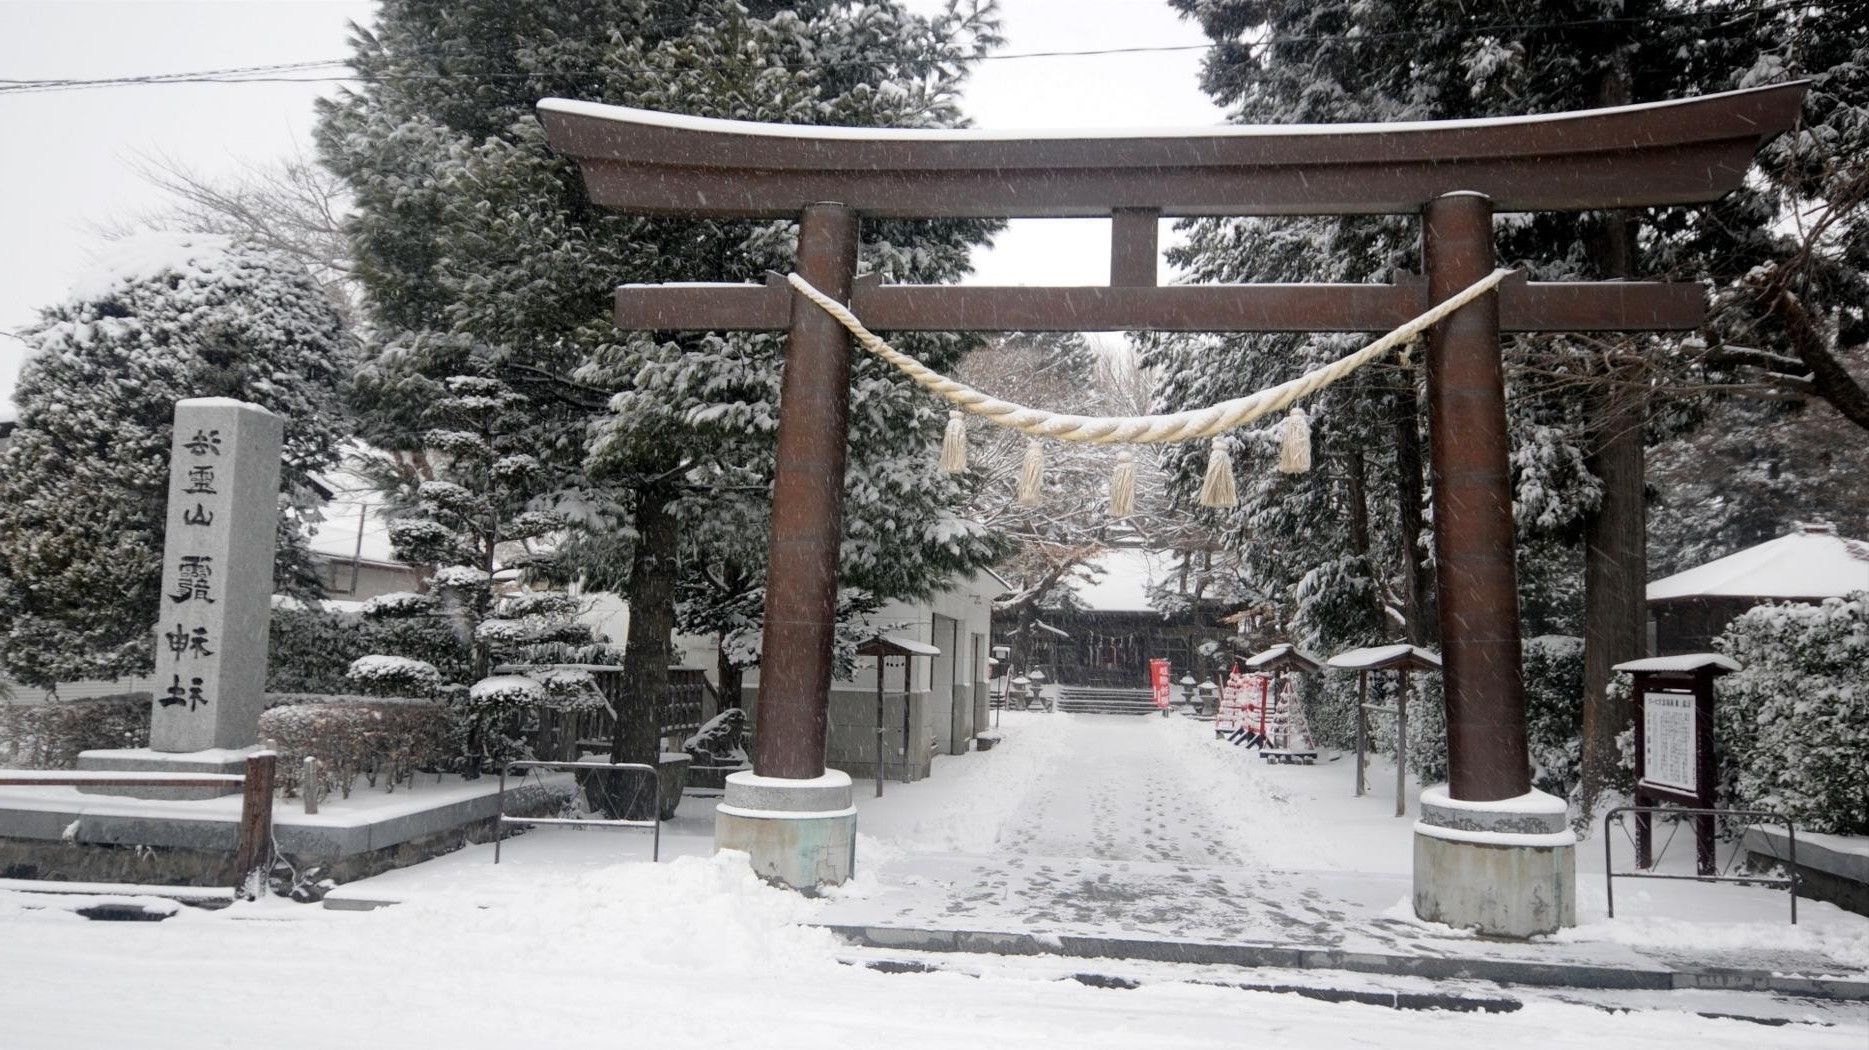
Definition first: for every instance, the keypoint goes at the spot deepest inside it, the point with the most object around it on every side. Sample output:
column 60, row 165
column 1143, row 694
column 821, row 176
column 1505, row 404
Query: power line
column 259, row 74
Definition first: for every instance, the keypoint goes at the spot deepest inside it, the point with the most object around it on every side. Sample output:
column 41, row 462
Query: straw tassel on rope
column 1294, row 445
column 1218, row 489
column 1123, row 485
column 1032, row 474
column 954, row 444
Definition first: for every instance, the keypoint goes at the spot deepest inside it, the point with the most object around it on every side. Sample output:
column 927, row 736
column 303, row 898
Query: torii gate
column 796, row 818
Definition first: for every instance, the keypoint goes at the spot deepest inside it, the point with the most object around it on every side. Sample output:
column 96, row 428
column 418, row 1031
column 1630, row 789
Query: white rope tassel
column 954, row 444
column 1218, row 489
column 1123, row 486
column 1032, row 474
column 1294, row 445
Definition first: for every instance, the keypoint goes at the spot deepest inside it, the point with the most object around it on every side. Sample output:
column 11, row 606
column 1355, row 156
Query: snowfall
column 1120, row 827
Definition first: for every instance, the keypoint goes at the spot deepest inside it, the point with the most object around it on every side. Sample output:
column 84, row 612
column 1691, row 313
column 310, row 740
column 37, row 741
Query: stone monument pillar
column 217, row 585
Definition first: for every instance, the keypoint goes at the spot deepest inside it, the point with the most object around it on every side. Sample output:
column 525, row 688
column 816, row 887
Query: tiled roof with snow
column 1812, row 563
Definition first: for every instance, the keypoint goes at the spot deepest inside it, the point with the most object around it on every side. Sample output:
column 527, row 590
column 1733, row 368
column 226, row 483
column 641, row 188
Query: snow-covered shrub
column 85, row 478
column 1554, row 710
column 1792, row 727
column 399, row 603
column 379, row 675
column 50, row 735
column 505, row 692
column 494, row 720
column 310, row 650
column 572, row 690
column 376, row 738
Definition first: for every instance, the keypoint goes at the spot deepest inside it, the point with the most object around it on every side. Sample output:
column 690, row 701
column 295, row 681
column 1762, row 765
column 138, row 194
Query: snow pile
column 704, row 916
column 1698, row 937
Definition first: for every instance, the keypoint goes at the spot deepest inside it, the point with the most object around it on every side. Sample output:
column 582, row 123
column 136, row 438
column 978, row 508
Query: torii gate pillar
column 1490, row 853
column 795, row 819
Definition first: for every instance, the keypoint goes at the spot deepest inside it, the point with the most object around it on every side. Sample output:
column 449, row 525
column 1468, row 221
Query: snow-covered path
column 1139, row 827
column 1116, row 788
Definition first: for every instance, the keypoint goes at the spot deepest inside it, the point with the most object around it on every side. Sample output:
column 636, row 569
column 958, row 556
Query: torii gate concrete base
column 797, row 833
column 1502, row 869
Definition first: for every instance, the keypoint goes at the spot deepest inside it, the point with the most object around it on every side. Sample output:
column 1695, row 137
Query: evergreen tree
column 471, row 236
column 1579, row 407
column 84, row 482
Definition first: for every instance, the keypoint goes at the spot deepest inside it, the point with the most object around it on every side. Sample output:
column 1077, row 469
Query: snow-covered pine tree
column 469, row 226
column 1574, row 402
column 84, row 482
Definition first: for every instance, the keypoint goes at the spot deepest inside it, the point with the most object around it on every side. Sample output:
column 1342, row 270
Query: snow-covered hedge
column 309, row 650
column 380, row 675
column 50, row 735
column 379, row 739
column 1793, row 725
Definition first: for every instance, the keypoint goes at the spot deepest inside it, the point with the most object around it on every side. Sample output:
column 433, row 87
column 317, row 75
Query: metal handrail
column 1754, row 815
column 655, row 782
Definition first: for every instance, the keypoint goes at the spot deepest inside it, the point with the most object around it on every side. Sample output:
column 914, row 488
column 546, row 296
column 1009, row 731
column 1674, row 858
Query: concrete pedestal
column 171, row 763
column 799, row 833
column 1505, row 868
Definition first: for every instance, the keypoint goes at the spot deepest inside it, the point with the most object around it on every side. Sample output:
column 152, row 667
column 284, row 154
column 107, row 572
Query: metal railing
column 1610, row 875
column 655, row 784
column 253, row 850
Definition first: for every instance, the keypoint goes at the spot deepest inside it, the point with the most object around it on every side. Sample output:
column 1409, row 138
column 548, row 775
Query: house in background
column 1105, row 629
column 946, row 703
column 350, row 544
column 1688, row 610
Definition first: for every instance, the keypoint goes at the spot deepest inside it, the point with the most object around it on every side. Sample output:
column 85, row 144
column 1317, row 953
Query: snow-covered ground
column 1121, row 826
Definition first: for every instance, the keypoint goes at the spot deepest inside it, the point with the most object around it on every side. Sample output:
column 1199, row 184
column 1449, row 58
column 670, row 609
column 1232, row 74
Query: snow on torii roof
column 1399, row 657
column 1676, row 152
column 1813, row 562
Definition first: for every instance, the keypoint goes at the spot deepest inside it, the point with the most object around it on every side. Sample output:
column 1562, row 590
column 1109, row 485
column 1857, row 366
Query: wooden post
column 253, row 857
column 881, row 662
column 908, row 690
column 1401, row 748
column 1362, row 726
column 309, row 785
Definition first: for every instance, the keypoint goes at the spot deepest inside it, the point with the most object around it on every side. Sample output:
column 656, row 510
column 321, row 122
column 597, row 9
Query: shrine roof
column 1811, row 563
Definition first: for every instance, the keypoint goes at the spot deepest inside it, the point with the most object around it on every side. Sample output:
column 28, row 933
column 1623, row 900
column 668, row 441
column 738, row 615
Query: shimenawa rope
column 1177, row 426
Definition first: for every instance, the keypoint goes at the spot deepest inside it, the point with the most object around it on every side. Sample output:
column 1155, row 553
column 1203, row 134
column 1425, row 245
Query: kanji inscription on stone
column 217, row 581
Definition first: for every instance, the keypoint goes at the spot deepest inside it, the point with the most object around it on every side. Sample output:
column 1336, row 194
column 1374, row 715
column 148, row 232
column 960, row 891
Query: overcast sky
column 71, row 156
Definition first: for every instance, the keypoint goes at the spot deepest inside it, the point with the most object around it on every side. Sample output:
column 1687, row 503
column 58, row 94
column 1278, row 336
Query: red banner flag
column 1158, row 682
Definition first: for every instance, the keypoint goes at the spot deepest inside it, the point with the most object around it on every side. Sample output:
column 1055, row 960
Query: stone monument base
column 173, row 763
column 799, row 833
column 1505, row 868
